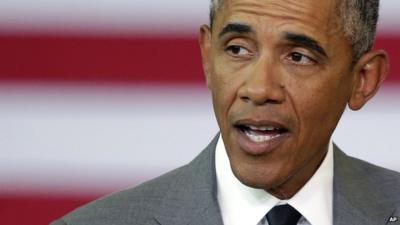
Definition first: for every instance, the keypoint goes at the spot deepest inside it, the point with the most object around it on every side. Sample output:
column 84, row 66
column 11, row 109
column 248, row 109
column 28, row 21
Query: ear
column 205, row 47
column 370, row 71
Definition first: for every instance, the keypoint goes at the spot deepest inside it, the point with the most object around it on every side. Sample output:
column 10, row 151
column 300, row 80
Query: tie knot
column 283, row 215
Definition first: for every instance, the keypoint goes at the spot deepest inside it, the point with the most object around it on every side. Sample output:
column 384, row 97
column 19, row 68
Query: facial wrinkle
column 276, row 10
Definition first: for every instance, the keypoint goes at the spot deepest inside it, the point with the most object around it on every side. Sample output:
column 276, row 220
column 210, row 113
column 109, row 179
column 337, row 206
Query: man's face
column 280, row 77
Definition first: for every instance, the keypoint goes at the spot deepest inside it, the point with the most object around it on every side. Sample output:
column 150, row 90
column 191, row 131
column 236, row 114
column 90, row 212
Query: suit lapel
column 192, row 199
column 357, row 200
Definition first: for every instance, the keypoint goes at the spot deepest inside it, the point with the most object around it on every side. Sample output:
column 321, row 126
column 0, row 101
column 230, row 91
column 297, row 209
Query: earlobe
column 370, row 71
column 205, row 48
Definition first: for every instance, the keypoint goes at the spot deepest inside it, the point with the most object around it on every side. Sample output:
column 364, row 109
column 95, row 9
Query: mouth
column 260, row 137
column 261, row 134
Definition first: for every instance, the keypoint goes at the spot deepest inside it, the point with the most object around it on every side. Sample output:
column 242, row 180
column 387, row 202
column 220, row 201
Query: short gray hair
column 214, row 6
column 358, row 19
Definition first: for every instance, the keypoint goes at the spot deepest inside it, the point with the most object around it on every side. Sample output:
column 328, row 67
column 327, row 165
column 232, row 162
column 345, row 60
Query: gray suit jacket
column 364, row 194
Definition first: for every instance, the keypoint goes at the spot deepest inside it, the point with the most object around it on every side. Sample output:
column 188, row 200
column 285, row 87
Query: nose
column 263, row 85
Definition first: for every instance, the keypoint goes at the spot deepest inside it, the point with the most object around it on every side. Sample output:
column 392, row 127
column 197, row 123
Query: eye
column 300, row 59
column 238, row 51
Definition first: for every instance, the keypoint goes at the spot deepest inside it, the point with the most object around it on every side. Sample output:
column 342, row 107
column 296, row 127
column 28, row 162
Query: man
column 281, row 74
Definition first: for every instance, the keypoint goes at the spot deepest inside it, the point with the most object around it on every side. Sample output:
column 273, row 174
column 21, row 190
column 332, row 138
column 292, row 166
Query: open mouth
column 261, row 133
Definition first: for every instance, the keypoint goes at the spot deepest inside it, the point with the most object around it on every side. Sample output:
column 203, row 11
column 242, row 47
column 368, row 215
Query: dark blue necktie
column 283, row 215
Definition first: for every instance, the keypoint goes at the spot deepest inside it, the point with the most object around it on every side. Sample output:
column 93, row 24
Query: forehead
column 314, row 15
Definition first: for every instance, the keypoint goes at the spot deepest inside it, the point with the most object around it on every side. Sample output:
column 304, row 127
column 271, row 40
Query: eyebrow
column 236, row 28
column 305, row 41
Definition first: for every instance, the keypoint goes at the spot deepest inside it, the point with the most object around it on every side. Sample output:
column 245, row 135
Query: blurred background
column 98, row 96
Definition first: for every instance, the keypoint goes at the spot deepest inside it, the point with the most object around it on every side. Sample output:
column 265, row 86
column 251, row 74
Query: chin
column 260, row 178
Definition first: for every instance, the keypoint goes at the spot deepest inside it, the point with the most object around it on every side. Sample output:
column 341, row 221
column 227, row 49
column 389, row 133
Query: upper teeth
column 262, row 128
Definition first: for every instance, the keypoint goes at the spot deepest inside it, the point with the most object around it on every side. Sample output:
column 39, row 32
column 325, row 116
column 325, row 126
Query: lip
column 260, row 123
column 259, row 148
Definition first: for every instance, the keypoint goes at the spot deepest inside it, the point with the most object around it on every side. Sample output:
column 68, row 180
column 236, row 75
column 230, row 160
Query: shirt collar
column 241, row 204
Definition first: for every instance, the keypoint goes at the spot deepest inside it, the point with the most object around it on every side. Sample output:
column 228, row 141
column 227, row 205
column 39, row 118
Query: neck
column 293, row 184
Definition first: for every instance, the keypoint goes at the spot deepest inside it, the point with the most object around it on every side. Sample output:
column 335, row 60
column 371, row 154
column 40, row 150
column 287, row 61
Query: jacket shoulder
column 377, row 172
column 140, row 204
column 132, row 206
column 388, row 181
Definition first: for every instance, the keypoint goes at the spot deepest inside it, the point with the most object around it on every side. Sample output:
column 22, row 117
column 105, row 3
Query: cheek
column 224, row 88
column 225, row 82
column 319, row 103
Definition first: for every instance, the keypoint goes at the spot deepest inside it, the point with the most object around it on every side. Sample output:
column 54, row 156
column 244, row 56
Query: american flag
column 98, row 96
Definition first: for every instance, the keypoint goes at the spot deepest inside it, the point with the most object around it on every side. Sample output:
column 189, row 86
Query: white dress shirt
column 242, row 205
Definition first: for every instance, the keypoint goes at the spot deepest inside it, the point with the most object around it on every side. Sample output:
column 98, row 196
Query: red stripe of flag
column 37, row 210
column 114, row 60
